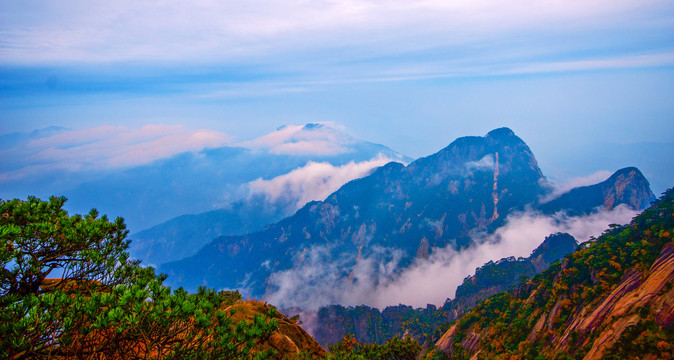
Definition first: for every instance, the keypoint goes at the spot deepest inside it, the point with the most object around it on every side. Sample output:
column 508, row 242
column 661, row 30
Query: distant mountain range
column 192, row 183
column 469, row 187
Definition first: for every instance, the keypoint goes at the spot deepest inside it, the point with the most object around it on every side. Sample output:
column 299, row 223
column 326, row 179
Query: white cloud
column 314, row 181
column 560, row 188
column 311, row 139
column 106, row 147
column 486, row 163
column 211, row 31
column 375, row 280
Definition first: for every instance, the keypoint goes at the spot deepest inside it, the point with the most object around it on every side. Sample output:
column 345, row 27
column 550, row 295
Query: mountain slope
column 611, row 299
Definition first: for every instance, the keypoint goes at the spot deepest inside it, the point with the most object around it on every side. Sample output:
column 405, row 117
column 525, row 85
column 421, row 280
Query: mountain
column 611, row 299
column 468, row 186
column 649, row 157
column 625, row 186
column 395, row 215
column 330, row 324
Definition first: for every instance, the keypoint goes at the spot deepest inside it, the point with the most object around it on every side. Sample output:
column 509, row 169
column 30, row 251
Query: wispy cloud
column 559, row 188
column 104, row 148
column 314, row 181
column 320, row 279
column 311, row 139
column 57, row 32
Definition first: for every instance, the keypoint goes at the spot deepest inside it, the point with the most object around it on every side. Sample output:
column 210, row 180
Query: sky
column 412, row 75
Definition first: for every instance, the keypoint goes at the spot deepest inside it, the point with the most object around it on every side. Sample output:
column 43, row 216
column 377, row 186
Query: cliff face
column 612, row 299
column 631, row 301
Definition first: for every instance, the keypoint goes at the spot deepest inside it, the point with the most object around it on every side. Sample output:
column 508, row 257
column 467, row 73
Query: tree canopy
column 69, row 290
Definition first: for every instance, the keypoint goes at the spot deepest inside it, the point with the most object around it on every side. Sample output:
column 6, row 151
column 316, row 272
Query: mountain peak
column 628, row 171
column 628, row 185
column 500, row 133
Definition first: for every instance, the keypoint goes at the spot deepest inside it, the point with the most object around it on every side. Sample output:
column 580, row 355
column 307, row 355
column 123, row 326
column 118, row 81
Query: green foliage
column 69, row 290
column 394, row 349
column 646, row 337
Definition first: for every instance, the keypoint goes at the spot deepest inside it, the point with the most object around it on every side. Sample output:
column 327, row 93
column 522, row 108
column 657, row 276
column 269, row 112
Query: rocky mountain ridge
column 469, row 187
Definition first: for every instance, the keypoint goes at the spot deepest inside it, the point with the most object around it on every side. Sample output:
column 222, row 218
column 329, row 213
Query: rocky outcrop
column 621, row 308
column 288, row 341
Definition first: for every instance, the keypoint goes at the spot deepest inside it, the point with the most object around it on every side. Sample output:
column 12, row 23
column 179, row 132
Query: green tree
column 394, row 349
column 69, row 290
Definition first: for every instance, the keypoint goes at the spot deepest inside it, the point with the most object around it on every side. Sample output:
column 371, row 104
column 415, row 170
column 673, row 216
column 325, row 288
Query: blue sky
column 411, row 75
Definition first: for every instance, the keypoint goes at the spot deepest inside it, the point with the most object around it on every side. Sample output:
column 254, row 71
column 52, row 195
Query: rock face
column 469, row 187
column 621, row 307
column 612, row 299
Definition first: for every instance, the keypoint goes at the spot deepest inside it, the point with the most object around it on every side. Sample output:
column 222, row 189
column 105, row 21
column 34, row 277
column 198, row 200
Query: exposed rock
column 288, row 340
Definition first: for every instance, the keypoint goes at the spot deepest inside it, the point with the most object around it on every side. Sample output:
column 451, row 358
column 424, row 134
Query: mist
column 376, row 280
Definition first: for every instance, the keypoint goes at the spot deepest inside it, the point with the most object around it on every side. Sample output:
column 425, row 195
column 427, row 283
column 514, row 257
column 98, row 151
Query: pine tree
column 69, row 290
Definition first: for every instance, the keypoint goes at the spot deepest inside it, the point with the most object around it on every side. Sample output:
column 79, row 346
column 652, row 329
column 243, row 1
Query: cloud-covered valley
column 377, row 280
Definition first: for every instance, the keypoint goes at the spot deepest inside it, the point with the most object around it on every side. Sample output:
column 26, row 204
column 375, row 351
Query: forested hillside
column 612, row 299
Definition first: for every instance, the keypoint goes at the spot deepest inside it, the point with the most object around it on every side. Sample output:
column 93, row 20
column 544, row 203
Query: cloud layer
column 103, row 148
column 376, row 280
column 560, row 188
column 208, row 32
